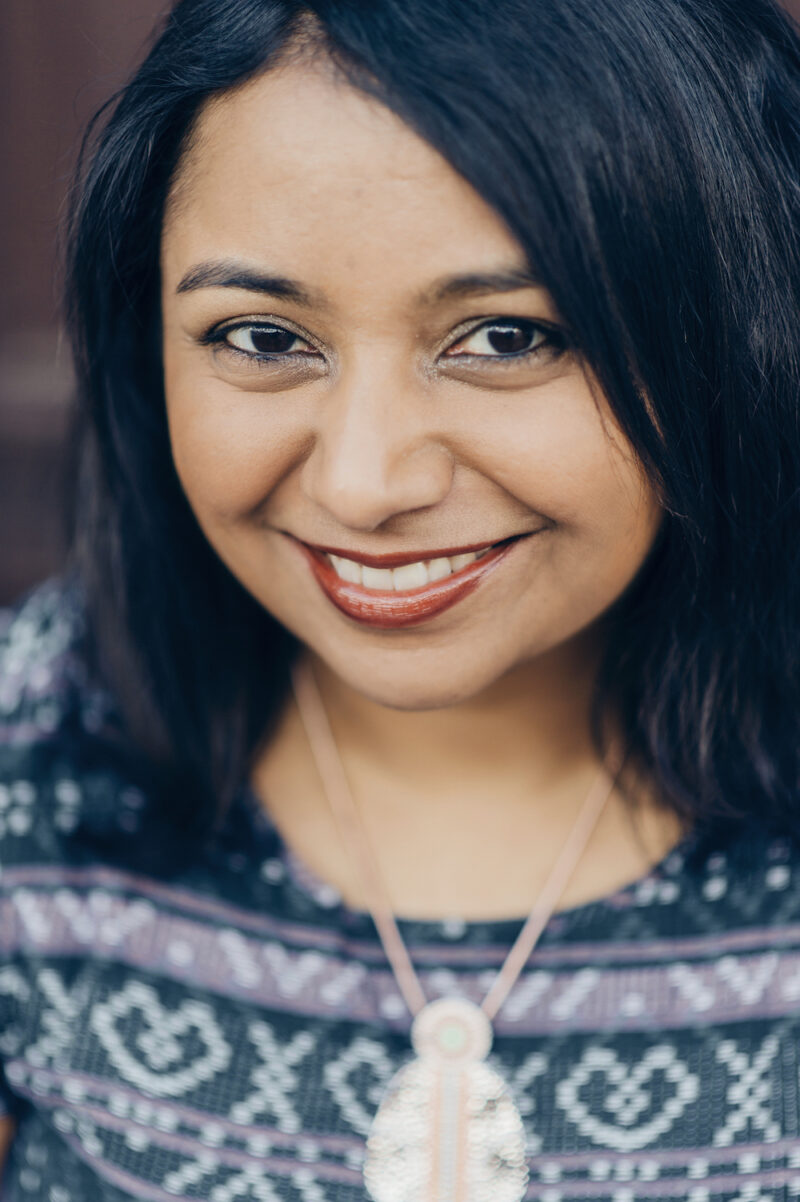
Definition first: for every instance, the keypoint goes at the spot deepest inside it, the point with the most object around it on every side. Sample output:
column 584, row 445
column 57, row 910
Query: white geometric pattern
column 58, row 1021
column 347, row 981
column 533, row 1066
column 274, row 1079
column 751, row 978
column 243, row 966
column 292, row 972
column 32, row 913
column 16, row 807
column 249, row 1183
column 692, row 988
column 750, row 1092
column 13, row 985
column 628, row 1096
column 159, row 1044
column 94, row 917
column 360, row 1053
column 584, row 983
column 190, row 1174
column 307, row 1186
column 525, row 995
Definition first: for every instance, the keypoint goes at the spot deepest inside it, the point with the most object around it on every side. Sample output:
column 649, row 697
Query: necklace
column 447, row 1129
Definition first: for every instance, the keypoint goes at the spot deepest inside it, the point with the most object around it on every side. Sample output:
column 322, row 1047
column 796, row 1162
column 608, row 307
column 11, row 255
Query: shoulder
column 51, row 719
column 40, row 666
column 733, row 878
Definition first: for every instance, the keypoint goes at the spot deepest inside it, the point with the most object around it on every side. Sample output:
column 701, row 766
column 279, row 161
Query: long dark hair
column 646, row 155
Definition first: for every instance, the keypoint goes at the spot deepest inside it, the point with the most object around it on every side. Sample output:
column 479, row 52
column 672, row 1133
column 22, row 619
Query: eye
column 266, row 340
column 502, row 337
column 262, row 354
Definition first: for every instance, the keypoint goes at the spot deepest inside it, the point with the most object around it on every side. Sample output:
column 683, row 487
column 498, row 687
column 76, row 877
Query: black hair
column 646, row 155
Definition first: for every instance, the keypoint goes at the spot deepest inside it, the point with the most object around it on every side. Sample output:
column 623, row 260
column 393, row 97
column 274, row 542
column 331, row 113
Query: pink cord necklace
column 447, row 1129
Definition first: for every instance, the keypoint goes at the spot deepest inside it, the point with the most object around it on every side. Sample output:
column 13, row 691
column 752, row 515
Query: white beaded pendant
column 448, row 1129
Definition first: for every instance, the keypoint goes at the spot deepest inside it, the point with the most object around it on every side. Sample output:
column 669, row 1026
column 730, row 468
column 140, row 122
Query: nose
column 376, row 453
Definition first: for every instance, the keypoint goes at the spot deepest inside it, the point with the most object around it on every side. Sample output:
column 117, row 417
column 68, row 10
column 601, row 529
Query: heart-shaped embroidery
column 360, row 1054
column 161, row 1044
column 627, row 1096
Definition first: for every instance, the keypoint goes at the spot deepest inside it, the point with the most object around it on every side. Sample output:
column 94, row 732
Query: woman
column 434, row 569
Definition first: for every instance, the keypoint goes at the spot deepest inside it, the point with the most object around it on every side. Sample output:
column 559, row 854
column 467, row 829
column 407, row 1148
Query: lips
column 390, row 609
column 400, row 560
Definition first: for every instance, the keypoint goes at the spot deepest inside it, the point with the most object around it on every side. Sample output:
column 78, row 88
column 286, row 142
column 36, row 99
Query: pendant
column 447, row 1129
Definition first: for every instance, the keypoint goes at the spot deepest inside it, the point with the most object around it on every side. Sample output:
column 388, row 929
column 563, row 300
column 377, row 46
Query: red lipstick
column 390, row 610
column 398, row 560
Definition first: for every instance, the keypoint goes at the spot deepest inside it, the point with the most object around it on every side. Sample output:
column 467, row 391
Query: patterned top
column 224, row 1031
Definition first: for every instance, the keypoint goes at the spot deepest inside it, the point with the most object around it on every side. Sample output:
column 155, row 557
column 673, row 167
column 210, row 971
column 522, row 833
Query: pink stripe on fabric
column 305, row 982
column 691, row 947
column 342, row 1145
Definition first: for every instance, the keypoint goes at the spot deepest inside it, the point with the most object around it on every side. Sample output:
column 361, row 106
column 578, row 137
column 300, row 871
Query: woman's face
column 357, row 359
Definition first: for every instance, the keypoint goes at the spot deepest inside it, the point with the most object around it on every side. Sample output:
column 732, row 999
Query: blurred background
column 59, row 60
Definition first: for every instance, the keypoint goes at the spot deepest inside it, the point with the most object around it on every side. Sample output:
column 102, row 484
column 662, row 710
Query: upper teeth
column 409, row 576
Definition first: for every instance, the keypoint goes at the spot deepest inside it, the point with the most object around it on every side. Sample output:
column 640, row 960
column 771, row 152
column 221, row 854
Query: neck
column 532, row 725
column 467, row 806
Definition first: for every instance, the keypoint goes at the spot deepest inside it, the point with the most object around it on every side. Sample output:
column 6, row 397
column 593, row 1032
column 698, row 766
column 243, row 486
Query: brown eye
column 501, row 338
column 265, row 340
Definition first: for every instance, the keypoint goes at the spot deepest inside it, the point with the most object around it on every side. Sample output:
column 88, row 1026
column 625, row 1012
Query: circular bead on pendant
column 447, row 1129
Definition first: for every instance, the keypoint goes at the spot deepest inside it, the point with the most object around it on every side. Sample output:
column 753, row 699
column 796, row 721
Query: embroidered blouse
column 224, row 1031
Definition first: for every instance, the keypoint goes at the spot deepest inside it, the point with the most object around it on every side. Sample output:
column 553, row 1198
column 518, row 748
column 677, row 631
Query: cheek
column 230, row 451
column 560, row 456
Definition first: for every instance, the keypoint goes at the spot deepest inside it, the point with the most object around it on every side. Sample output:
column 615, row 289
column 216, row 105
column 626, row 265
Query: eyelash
column 555, row 341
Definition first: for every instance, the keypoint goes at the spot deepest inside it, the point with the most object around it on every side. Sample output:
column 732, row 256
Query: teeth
column 439, row 568
column 409, row 576
column 377, row 578
column 461, row 561
column 346, row 569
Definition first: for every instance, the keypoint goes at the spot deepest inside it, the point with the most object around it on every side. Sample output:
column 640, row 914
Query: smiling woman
column 426, row 400
column 434, row 556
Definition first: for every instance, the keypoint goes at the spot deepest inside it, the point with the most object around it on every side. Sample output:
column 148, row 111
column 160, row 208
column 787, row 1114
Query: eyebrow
column 228, row 274
column 480, row 284
column 224, row 274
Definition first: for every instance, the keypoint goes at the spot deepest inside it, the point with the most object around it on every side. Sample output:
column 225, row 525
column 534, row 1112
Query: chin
column 407, row 681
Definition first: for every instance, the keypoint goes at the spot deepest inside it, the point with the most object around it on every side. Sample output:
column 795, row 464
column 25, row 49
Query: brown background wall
column 59, row 59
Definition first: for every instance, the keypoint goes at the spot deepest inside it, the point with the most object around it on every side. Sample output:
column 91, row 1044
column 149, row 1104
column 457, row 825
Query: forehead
column 299, row 169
